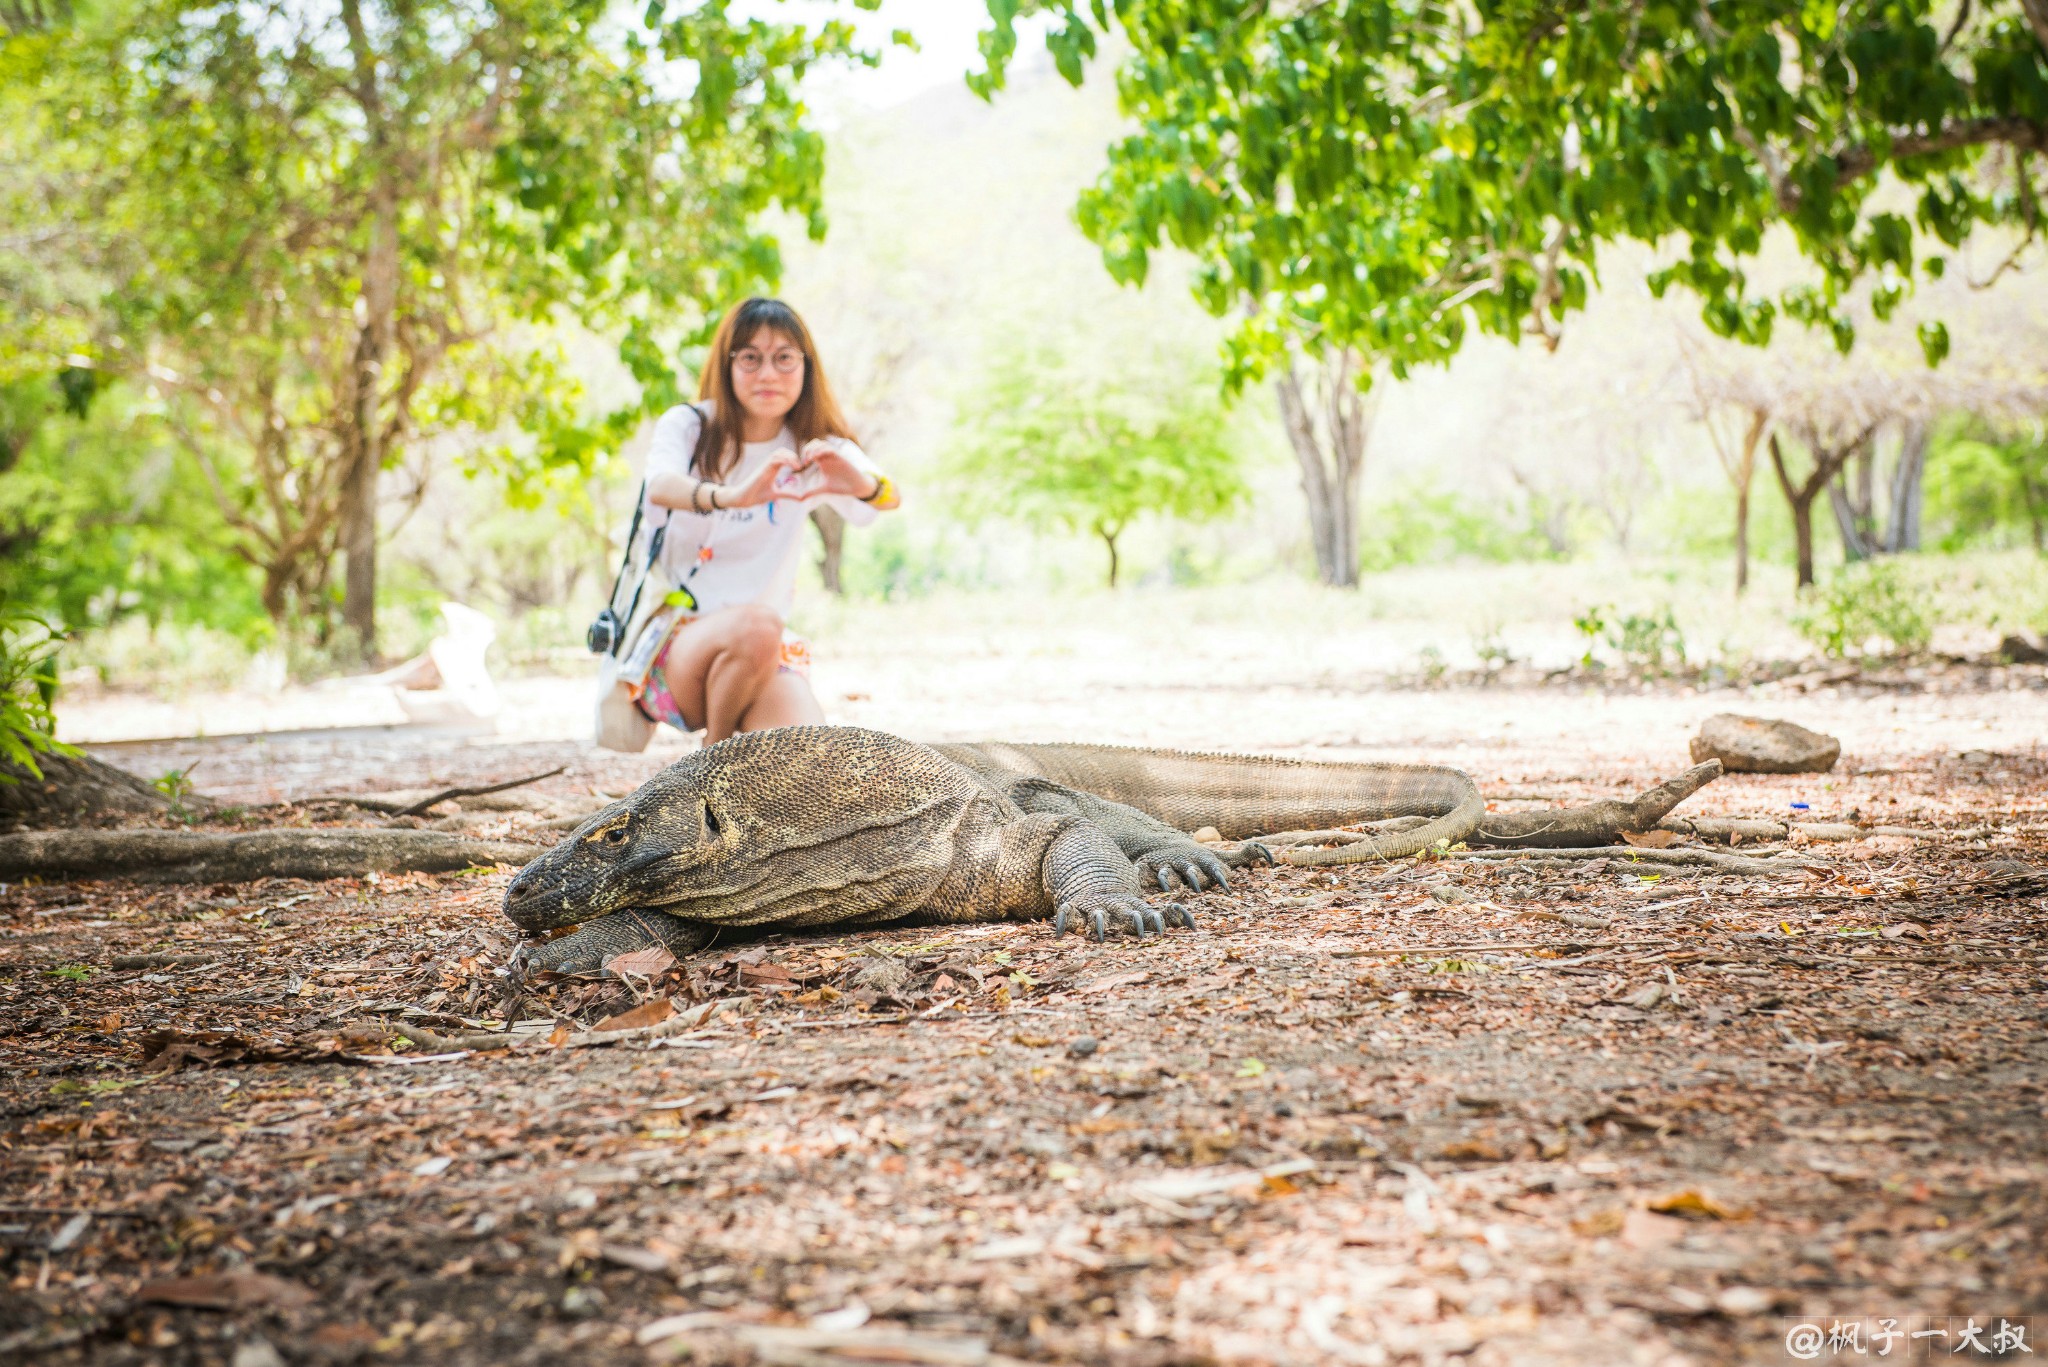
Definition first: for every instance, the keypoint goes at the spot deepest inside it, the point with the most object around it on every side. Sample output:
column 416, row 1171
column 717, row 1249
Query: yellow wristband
column 885, row 492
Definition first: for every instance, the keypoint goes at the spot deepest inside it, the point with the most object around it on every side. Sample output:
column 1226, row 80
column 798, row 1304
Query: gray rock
column 1762, row 745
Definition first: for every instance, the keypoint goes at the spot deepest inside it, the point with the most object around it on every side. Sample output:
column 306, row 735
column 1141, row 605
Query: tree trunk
column 1851, row 494
column 1826, row 465
column 831, row 544
column 1802, row 538
column 2036, row 500
column 1331, row 454
column 1741, row 538
column 70, row 791
column 1848, row 524
column 375, row 310
column 1109, row 539
column 1902, row 532
column 1801, row 500
column 1743, row 476
column 2037, row 19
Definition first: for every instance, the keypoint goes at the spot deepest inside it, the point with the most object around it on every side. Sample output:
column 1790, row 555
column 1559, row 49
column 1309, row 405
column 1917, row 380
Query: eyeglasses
column 788, row 361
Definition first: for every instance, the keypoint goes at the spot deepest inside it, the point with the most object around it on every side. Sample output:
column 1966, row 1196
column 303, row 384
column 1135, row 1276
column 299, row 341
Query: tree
column 1060, row 446
column 1853, row 497
column 1717, row 396
column 1385, row 175
column 1328, row 416
column 324, row 235
column 1829, row 448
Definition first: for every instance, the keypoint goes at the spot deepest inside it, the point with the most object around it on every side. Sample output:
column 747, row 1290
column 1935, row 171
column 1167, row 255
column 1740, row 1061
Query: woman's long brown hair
column 816, row 413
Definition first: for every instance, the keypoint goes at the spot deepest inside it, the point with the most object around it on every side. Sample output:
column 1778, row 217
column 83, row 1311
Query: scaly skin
column 815, row 825
column 1244, row 796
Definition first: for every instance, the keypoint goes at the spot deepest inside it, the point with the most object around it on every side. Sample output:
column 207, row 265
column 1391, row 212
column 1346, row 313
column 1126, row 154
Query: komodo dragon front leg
column 1161, row 854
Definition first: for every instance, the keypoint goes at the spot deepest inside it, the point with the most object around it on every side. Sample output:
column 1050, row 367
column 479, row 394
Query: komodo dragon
column 819, row 825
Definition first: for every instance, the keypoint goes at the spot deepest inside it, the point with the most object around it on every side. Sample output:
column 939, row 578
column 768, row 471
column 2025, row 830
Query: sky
column 946, row 31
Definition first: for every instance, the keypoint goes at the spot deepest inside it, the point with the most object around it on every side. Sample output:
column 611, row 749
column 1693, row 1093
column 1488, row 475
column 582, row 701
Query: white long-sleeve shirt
column 739, row 555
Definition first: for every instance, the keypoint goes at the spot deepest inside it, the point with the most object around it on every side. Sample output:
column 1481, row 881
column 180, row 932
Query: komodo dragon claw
column 1189, row 864
column 1144, row 919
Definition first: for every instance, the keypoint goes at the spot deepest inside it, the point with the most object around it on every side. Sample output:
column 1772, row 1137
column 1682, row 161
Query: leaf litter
column 1548, row 1119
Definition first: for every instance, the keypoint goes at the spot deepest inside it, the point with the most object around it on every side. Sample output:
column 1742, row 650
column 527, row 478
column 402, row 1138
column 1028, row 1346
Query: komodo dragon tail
column 1244, row 796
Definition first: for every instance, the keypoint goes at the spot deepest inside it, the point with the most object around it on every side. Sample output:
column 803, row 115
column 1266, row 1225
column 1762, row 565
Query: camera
column 605, row 633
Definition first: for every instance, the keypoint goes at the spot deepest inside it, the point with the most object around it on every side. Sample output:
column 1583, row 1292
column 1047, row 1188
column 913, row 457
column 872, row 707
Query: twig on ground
column 680, row 1023
column 1440, row 951
column 451, row 1044
column 451, row 794
column 403, row 805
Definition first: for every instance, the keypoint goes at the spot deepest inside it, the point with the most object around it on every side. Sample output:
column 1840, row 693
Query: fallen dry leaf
column 646, row 1013
column 651, row 962
column 1697, row 1204
column 227, row 1291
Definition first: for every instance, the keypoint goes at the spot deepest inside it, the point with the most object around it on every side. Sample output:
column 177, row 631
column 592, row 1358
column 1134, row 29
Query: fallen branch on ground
column 1597, row 823
column 123, row 963
column 1736, row 829
column 449, row 795
column 691, row 1019
column 411, row 804
column 1729, row 863
column 435, row 1042
column 197, row 857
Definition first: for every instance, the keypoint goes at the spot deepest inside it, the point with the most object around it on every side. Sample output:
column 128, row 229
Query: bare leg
column 721, row 663
column 785, row 700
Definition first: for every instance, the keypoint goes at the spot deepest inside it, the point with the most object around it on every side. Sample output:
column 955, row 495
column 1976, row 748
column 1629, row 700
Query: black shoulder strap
column 654, row 545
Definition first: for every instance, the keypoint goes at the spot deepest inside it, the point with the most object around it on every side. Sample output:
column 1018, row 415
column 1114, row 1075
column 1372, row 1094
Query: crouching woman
column 735, row 476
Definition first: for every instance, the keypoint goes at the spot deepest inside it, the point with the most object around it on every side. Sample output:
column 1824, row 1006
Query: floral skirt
column 642, row 671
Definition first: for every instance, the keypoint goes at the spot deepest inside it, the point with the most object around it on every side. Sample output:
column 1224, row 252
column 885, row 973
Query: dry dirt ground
column 1497, row 1112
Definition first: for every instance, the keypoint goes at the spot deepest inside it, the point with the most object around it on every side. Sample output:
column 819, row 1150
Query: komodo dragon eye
column 615, row 836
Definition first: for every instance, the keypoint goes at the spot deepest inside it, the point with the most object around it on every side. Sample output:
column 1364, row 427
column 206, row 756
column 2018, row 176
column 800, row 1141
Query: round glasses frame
column 748, row 361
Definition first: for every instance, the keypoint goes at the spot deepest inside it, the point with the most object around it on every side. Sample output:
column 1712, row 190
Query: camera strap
column 654, row 544
column 656, row 539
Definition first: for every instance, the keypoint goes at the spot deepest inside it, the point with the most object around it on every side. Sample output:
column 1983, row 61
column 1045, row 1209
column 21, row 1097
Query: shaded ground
column 1591, row 1117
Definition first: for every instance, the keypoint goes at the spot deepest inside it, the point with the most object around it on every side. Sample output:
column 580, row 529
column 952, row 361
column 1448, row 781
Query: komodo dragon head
column 772, row 826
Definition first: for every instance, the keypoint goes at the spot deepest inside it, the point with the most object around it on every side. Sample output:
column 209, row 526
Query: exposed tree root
column 1597, row 823
column 196, row 857
column 72, row 789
